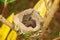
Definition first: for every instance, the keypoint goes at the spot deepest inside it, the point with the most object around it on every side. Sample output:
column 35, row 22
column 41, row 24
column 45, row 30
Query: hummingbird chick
column 28, row 21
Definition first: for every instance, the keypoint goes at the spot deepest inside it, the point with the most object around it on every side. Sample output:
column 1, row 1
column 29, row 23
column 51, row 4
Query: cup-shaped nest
column 28, row 20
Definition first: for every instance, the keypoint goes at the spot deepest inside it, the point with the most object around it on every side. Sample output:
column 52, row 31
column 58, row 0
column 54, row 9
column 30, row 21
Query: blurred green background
column 17, row 6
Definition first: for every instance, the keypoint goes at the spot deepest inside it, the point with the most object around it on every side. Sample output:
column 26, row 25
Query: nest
column 28, row 20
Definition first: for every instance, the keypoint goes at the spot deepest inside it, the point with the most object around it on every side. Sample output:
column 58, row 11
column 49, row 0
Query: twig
column 58, row 38
column 2, row 19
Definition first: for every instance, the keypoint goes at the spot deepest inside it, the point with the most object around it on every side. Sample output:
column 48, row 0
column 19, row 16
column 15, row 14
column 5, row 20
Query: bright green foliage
column 9, row 1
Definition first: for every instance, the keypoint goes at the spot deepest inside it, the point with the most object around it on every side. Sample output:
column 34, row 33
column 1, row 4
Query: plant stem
column 5, row 8
column 51, row 12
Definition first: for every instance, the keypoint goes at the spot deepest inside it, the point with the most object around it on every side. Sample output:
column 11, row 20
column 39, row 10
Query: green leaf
column 9, row 1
